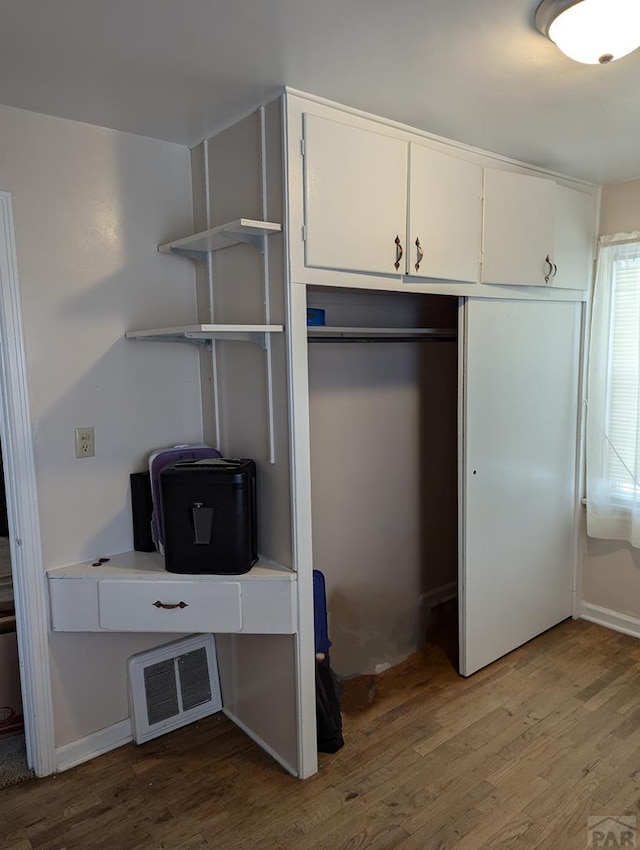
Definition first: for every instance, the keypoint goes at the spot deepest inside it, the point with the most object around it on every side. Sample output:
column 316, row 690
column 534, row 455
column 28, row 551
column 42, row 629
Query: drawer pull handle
column 419, row 254
column 164, row 605
column 399, row 252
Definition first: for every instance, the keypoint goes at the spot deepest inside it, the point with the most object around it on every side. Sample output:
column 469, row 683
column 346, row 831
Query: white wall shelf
column 325, row 333
column 200, row 245
column 204, row 334
column 149, row 566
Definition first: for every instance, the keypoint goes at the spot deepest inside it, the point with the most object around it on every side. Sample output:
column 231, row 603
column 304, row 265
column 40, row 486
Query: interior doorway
column 28, row 585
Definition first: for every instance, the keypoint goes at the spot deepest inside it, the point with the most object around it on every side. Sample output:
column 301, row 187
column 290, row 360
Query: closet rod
column 449, row 338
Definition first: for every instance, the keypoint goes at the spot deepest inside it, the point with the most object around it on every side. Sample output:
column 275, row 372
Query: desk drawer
column 169, row 606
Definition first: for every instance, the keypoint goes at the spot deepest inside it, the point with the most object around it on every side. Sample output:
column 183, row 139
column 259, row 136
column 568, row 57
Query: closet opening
column 383, row 405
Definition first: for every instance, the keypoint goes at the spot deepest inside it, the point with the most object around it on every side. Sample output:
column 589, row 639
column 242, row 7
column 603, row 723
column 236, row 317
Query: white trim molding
column 96, row 744
column 29, row 580
column 624, row 623
column 438, row 595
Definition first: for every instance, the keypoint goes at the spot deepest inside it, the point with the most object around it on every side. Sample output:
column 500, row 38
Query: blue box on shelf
column 315, row 316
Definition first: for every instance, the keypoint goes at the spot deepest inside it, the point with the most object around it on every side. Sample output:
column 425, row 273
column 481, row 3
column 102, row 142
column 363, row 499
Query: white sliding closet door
column 518, row 500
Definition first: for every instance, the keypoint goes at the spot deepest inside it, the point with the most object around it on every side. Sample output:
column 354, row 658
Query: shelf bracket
column 258, row 338
column 207, row 344
column 204, row 335
column 200, row 256
column 203, row 343
column 255, row 239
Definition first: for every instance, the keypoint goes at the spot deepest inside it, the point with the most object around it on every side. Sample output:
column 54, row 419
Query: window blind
column 624, row 375
column 613, row 393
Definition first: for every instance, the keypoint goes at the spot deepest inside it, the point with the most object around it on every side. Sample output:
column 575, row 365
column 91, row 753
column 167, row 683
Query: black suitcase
column 209, row 510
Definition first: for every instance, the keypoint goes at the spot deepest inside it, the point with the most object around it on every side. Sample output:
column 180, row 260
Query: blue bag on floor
column 328, row 715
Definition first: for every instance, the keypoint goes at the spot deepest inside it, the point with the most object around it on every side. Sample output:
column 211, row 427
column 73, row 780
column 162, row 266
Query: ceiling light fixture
column 591, row 31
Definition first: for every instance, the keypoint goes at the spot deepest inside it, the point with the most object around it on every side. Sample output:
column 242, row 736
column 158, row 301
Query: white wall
column 611, row 570
column 90, row 207
column 620, row 207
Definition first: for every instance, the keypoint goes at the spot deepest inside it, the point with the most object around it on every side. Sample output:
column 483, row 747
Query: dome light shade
column 591, row 31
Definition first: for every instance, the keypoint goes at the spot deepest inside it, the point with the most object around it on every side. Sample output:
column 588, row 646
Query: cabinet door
column 575, row 239
column 445, row 215
column 355, row 197
column 519, row 498
column 518, row 228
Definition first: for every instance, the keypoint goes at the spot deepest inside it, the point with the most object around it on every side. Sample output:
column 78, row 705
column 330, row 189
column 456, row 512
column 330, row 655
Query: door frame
column 462, row 373
column 29, row 579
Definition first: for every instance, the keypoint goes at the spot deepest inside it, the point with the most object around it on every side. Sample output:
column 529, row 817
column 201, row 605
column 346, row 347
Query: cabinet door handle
column 167, row 607
column 555, row 270
column 419, row 253
column 549, row 274
column 399, row 252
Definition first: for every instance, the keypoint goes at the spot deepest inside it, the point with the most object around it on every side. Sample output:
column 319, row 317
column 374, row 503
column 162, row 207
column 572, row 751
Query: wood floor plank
column 503, row 815
column 358, row 803
column 15, row 842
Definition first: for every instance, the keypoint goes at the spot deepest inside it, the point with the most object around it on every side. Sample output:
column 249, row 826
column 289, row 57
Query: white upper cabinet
column 445, row 216
column 355, row 184
column 536, row 232
column 518, row 228
column 383, row 202
column 575, row 242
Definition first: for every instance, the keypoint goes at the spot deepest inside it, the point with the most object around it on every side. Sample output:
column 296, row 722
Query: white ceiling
column 472, row 70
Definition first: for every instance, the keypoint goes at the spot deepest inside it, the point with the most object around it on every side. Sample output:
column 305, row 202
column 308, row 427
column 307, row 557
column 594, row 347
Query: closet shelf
column 200, row 245
column 325, row 333
column 204, row 334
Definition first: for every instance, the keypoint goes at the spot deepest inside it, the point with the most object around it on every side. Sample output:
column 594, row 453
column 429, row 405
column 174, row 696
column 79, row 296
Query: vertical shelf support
column 212, row 313
column 267, row 289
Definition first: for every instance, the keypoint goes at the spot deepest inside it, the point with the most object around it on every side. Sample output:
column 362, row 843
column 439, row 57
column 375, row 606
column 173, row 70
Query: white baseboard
column 624, row 623
column 439, row 595
column 260, row 742
column 93, row 745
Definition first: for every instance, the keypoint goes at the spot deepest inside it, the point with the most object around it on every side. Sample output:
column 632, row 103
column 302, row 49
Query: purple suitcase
column 157, row 462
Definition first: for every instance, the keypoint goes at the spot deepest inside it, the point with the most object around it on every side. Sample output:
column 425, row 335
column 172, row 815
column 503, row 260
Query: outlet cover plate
column 85, row 444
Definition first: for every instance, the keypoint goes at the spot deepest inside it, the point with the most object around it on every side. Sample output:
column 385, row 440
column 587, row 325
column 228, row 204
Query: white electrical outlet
column 85, row 445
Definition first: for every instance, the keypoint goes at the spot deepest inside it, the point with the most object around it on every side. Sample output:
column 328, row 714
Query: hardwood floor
column 519, row 755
